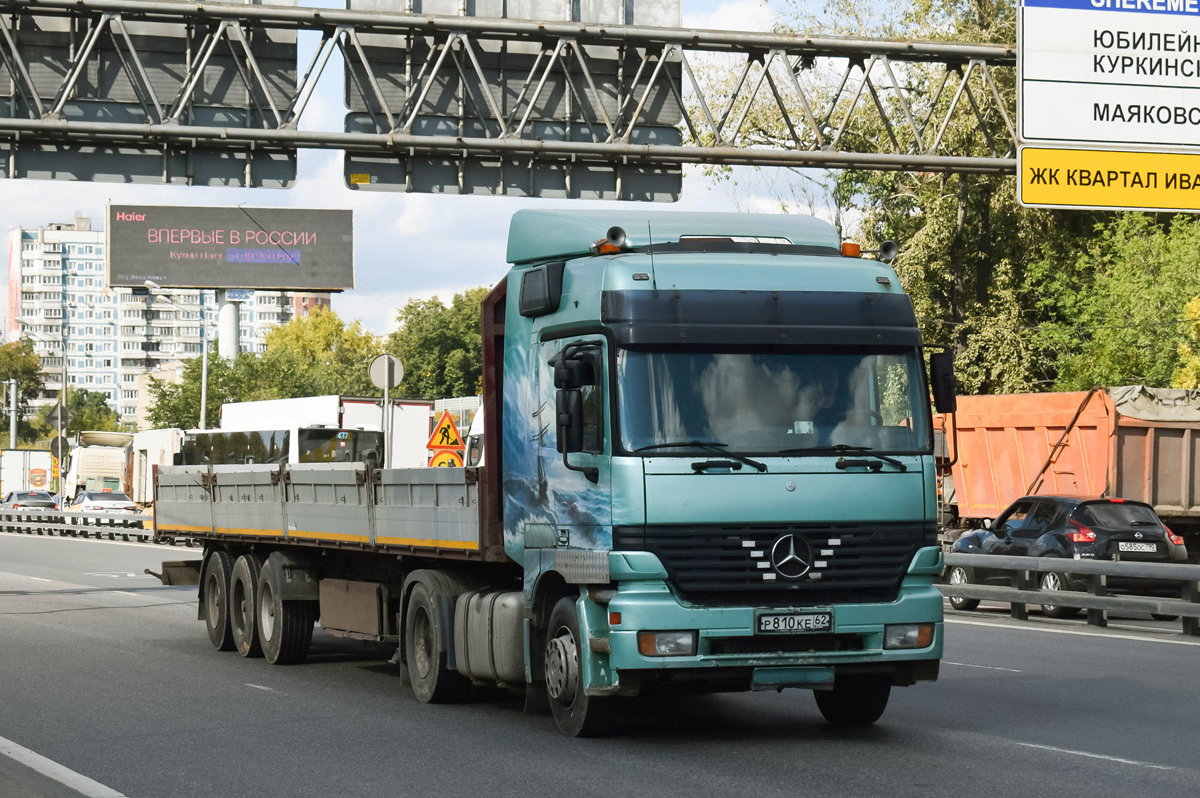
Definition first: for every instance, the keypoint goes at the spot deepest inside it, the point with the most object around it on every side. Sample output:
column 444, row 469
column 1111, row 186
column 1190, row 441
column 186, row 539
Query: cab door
column 578, row 487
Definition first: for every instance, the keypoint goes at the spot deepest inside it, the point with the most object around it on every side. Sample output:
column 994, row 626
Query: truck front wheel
column 855, row 700
column 216, row 600
column 575, row 713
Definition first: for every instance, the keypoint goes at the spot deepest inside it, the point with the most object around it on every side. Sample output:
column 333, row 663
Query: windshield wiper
column 706, row 446
column 844, row 447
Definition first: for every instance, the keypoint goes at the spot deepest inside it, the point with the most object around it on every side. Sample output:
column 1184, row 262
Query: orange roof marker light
column 851, row 249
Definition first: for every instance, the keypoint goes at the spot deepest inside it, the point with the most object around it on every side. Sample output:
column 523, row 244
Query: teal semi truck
column 708, row 468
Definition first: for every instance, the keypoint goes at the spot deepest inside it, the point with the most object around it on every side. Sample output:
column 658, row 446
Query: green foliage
column 1137, row 277
column 19, row 361
column 440, row 347
column 89, row 410
column 312, row 356
column 1188, row 373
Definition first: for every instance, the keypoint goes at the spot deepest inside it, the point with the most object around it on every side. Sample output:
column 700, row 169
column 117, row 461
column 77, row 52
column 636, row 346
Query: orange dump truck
column 1131, row 441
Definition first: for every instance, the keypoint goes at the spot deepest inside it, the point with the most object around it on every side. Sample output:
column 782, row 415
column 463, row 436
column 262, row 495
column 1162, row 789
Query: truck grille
column 728, row 565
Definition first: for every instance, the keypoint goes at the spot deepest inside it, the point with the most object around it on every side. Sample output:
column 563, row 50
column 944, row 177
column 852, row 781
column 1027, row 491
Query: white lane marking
column 985, row 667
column 125, row 593
column 1077, row 632
column 40, row 579
column 261, row 687
column 1090, row 755
column 52, row 770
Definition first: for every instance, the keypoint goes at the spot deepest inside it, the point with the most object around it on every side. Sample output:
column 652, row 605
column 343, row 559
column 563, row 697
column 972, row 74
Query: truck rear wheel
column 575, row 713
column 855, row 700
column 216, row 600
column 285, row 628
column 243, row 605
column 424, row 648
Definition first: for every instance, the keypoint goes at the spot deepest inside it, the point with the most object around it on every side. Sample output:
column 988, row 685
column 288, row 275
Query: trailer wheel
column 855, row 700
column 216, row 600
column 575, row 713
column 285, row 628
column 243, row 603
column 424, row 647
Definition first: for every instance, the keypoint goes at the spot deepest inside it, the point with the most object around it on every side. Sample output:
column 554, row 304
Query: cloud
column 753, row 15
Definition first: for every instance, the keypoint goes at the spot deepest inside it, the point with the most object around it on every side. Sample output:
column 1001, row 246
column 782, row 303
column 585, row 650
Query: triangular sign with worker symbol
column 445, row 435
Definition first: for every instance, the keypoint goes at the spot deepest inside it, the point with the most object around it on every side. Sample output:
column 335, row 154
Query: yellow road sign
column 1109, row 179
column 445, row 435
column 446, row 459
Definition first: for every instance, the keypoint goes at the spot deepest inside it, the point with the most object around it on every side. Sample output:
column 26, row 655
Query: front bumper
column 727, row 643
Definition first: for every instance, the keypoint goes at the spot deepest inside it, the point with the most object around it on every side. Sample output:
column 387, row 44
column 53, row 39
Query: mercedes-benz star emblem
column 791, row 556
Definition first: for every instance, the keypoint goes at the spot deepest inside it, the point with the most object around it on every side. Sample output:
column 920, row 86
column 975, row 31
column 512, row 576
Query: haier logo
column 122, row 216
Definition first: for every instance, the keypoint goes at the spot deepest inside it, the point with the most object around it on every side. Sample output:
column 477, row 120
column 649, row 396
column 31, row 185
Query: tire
column 217, row 572
column 960, row 576
column 243, row 605
column 575, row 713
column 285, row 628
column 855, row 701
column 1052, row 581
column 424, row 648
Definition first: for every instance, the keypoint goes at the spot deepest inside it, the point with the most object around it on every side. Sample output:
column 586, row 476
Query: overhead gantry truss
column 178, row 77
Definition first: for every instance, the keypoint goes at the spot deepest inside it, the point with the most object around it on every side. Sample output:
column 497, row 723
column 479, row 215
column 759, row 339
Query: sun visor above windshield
column 824, row 318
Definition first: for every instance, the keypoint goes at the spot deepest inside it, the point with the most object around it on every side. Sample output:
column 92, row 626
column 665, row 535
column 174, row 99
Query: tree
column 310, row 356
column 89, row 410
column 19, row 361
column 440, row 347
column 1188, row 373
column 320, row 354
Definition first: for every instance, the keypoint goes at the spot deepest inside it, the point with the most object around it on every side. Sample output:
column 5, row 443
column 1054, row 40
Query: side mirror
column 569, row 423
column 569, row 420
column 942, row 383
column 572, row 373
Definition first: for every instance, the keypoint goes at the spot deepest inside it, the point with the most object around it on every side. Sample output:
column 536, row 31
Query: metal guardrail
column 1024, row 589
column 80, row 525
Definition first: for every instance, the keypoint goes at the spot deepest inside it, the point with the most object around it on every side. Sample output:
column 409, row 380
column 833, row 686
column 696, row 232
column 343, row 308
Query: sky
column 405, row 245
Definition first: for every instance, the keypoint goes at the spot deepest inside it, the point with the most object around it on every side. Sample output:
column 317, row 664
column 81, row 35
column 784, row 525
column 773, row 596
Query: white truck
column 25, row 469
column 409, row 420
column 152, row 447
column 98, row 461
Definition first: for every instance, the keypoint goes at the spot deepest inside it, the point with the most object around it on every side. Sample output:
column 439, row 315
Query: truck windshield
column 772, row 402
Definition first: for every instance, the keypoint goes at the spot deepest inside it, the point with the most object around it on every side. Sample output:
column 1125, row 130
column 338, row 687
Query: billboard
column 231, row 247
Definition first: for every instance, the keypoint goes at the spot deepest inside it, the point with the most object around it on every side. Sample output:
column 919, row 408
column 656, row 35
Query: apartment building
column 58, row 296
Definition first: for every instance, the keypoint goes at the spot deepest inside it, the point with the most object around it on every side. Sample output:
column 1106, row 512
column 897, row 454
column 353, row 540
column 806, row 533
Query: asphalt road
column 109, row 677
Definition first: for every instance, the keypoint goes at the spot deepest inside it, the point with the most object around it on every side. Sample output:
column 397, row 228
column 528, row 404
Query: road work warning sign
column 445, row 435
column 1157, row 181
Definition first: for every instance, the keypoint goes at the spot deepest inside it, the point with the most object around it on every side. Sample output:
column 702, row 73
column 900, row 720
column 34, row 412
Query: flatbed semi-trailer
column 708, row 466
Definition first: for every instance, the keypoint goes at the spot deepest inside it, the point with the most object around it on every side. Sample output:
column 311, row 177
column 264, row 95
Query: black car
column 1069, row 527
column 28, row 500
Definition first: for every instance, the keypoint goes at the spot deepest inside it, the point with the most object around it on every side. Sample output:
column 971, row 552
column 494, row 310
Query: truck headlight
column 666, row 644
column 908, row 635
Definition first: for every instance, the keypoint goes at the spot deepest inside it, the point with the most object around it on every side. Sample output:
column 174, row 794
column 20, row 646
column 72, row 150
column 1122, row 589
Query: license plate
column 1148, row 548
column 785, row 623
